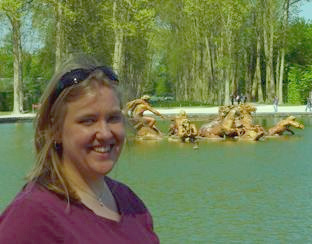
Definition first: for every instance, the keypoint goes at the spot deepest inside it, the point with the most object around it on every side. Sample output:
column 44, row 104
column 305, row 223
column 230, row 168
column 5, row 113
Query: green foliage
column 300, row 42
column 36, row 75
column 300, row 84
column 11, row 7
column 6, row 101
column 187, row 49
column 6, row 61
column 6, row 74
column 162, row 86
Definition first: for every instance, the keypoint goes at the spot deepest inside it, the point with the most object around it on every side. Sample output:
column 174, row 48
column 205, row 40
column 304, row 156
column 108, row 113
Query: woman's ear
column 58, row 136
column 56, row 133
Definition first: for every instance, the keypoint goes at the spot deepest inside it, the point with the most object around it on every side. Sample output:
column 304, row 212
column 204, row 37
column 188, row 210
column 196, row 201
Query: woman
column 79, row 135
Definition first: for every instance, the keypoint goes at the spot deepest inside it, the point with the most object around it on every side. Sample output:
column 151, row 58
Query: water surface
column 224, row 192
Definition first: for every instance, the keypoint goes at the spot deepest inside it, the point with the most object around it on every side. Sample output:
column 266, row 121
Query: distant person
column 309, row 104
column 238, row 99
column 275, row 103
column 232, row 99
column 68, row 198
column 243, row 99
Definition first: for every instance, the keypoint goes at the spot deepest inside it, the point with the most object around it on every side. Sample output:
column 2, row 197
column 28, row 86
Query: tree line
column 200, row 51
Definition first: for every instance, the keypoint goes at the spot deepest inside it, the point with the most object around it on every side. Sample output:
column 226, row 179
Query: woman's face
column 93, row 133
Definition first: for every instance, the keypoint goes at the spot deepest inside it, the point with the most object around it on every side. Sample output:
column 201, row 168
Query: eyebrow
column 91, row 114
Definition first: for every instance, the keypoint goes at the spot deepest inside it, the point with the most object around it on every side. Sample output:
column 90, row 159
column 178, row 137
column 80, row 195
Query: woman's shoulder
column 118, row 187
column 29, row 195
column 28, row 213
column 124, row 194
column 129, row 203
column 32, row 200
column 34, row 194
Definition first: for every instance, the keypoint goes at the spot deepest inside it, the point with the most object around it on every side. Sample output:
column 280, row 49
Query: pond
column 223, row 192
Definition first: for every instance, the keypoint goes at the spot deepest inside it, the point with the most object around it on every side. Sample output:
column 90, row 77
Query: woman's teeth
column 102, row 149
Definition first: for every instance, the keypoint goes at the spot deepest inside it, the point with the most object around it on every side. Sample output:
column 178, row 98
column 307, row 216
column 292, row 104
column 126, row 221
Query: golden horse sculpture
column 249, row 131
column 223, row 126
column 284, row 125
column 182, row 128
column 145, row 126
column 236, row 122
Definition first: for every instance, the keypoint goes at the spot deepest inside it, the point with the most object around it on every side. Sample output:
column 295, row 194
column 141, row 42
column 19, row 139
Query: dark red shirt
column 38, row 215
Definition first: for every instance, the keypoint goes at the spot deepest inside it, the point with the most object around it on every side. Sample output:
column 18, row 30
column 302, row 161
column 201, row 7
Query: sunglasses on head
column 77, row 75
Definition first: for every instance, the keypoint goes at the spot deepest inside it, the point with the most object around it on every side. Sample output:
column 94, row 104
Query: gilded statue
column 145, row 125
column 183, row 128
column 235, row 121
column 284, row 125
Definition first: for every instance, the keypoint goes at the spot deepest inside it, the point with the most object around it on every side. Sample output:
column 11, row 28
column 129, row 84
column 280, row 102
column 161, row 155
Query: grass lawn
column 5, row 112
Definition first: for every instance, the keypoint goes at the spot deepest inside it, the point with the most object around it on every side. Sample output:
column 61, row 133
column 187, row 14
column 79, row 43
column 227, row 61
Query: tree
column 201, row 51
column 14, row 10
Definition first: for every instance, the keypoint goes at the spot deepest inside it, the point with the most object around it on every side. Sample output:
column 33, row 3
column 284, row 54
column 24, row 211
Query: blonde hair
column 49, row 122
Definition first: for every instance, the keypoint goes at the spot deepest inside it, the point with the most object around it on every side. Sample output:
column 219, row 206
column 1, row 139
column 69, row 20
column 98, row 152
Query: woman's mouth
column 103, row 149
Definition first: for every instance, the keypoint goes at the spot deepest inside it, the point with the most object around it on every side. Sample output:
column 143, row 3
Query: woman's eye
column 87, row 121
column 116, row 118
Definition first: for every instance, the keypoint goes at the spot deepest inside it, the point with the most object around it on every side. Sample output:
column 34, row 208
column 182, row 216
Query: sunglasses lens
column 71, row 78
column 74, row 77
column 109, row 73
column 78, row 75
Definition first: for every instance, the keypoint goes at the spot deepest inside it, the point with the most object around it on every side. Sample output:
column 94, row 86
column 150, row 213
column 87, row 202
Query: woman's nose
column 103, row 130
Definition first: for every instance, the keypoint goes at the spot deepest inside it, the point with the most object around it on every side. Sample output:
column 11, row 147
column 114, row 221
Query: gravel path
column 261, row 109
column 202, row 111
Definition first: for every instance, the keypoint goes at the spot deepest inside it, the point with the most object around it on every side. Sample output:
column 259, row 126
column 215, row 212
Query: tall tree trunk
column 59, row 35
column 257, row 71
column 248, row 74
column 280, row 78
column 227, row 88
column 234, row 85
column 271, row 91
column 277, row 68
column 117, row 57
column 17, row 54
column 230, row 67
column 200, row 90
column 209, row 62
column 214, row 71
column 284, row 40
column 266, row 55
column 268, row 37
column 257, row 86
column 221, row 79
column 185, row 84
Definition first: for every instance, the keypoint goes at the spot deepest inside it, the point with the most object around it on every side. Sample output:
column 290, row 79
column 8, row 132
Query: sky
column 306, row 10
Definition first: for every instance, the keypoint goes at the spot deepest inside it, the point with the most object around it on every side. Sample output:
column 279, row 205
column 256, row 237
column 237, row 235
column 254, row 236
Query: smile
column 102, row 149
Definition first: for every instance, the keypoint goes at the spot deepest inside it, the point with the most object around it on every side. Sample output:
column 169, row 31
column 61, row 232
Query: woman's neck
column 92, row 185
column 93, row 193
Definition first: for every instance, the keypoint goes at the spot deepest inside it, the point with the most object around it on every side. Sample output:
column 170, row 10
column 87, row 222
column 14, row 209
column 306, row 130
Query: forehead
column 100, row 97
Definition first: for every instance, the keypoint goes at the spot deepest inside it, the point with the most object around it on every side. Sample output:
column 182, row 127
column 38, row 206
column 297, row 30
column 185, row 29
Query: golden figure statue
column 183, row 128
column 144, row 125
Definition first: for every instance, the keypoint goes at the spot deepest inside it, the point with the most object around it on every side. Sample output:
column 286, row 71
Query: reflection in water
column 269, row 121
column 16, row 158
column 224, row 192
column 21, row 135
